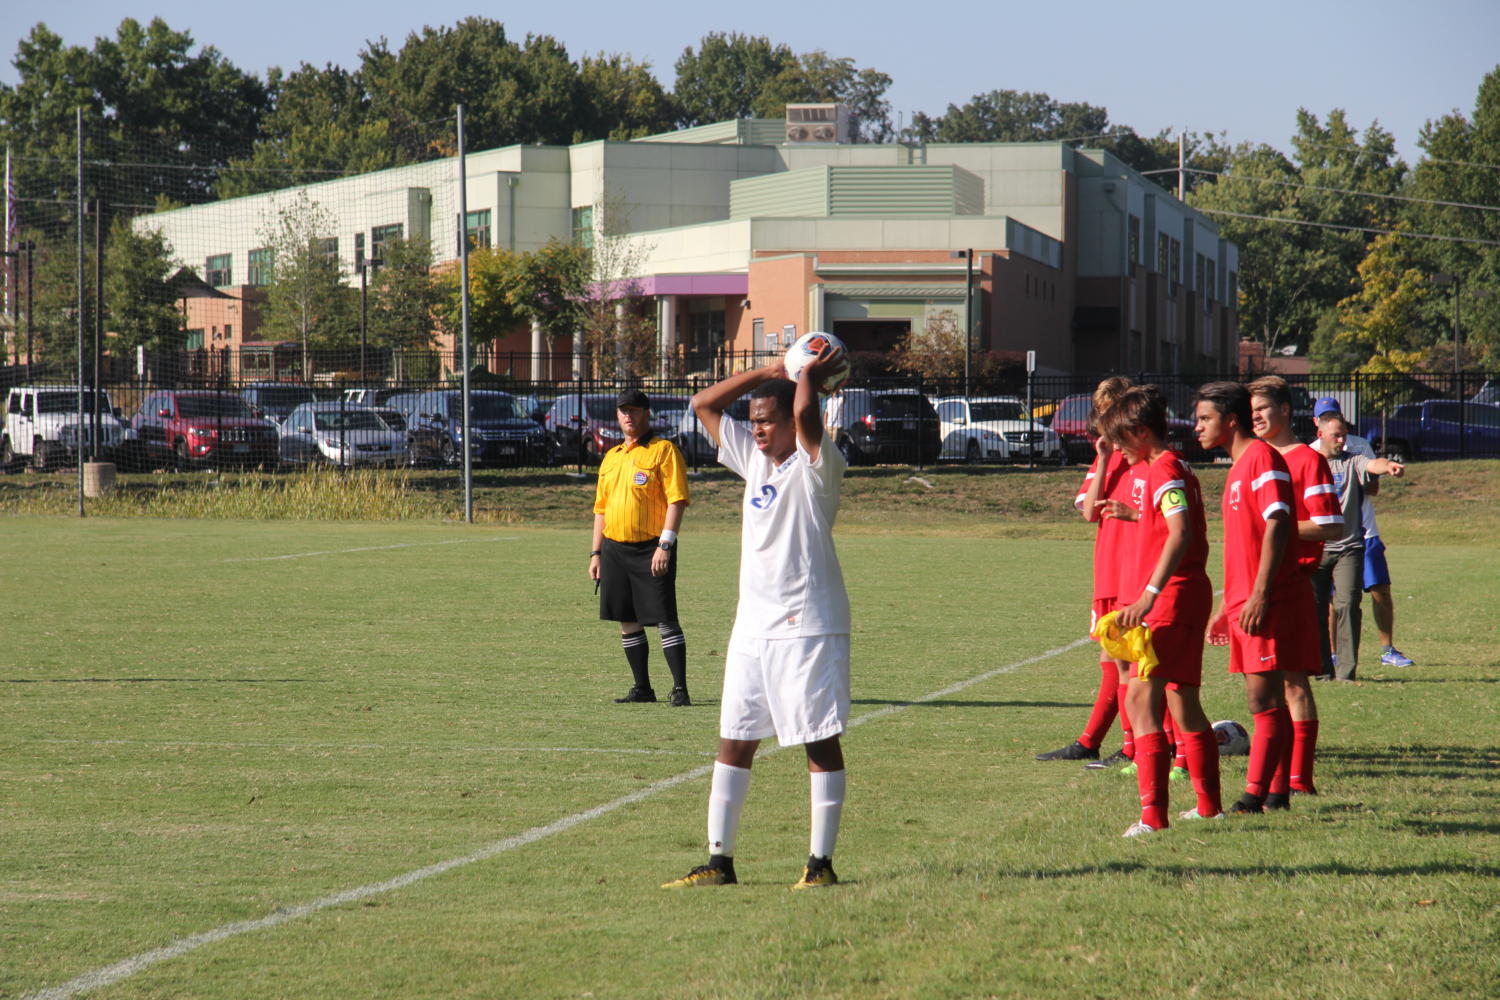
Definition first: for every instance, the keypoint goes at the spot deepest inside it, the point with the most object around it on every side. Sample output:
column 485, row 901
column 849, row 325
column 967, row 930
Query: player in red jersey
column 1167, row 570
column 1105, row 480
column 1259, row 614
column 1319, row 519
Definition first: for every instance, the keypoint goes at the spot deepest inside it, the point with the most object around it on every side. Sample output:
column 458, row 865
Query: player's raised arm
column 709, row 404
column 805, row 409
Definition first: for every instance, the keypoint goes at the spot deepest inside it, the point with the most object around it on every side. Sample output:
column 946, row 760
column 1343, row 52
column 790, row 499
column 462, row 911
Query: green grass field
column 222, row 728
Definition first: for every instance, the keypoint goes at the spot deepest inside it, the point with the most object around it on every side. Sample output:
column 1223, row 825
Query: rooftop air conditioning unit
column 817, row 123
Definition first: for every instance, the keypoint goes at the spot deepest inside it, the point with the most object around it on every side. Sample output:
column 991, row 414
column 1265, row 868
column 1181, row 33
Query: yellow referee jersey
column 636, row 483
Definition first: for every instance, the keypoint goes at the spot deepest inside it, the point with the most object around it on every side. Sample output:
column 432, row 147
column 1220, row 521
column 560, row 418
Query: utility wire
column 1352, row 229
column 1318, row 187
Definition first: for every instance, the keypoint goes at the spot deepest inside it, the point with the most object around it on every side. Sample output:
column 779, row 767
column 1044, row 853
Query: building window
column 1232, row 298
column 583, row 226
column 758, row 334
column 1199, row 271
column 477, row 228
column 1211, row 283
column 216, row 271
column 328, row 248
column 1174, row 265
column 260, row 266
column 380, row 236
column 228, row 331
column 1133, row 239
column 359, row 250
column 1163, row 252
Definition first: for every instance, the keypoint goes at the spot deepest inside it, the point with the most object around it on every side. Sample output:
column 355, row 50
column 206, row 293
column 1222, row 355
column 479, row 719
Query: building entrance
column 875, row 336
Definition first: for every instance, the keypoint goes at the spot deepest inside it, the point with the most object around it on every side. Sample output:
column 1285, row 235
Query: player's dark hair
column 783, row 390
column 1231, row 400
column 1139, row 407
column 1105, row 395
column 1274, row 388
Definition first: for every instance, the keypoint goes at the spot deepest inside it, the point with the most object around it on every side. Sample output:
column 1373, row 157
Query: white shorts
column 795, row 689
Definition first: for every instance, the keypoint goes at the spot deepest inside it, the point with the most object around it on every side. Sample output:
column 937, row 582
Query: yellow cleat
column 817, row 873
column 703, row 875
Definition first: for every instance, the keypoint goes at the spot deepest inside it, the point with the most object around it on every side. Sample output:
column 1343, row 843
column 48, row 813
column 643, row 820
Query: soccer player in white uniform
column 787, row 669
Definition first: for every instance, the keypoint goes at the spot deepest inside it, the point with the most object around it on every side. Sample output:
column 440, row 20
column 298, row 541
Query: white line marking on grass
column 370, row 548
column 126, row 968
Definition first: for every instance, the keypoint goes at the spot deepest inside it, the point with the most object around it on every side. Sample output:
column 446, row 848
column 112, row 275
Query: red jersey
column 1257, row 488
column 1169, row 489
column 1113, row 536
column 1314, row 498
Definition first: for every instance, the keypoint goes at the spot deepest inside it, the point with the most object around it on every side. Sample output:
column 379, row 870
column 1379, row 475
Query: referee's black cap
column 632, row 397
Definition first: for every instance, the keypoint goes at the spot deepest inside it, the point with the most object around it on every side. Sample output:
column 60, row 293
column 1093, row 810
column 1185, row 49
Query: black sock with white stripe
column 637, row 653
column 674, row 649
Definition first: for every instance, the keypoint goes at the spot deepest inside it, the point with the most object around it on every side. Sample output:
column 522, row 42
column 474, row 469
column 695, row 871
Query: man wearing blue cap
column 1377, row 575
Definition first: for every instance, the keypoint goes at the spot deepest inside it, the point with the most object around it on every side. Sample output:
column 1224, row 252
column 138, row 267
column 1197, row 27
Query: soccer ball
column 807, row 347
column 1233, row 740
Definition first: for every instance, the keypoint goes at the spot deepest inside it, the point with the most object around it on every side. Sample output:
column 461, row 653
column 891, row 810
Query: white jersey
column 1356, row 445
column 790, row 581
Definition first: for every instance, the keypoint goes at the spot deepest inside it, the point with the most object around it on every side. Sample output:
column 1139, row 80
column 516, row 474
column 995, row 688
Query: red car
column 1070, row 422
column 190, row 428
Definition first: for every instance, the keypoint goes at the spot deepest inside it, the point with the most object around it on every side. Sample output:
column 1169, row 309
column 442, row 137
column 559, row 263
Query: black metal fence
column 191, row 410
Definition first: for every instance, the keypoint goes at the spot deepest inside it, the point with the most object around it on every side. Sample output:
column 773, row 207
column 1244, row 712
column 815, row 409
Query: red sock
column 1270, row 735
column 1203, row 764
column 1304, row 745
column 1152, row 763
column 1128, row 747
column 1175, row 745
column 1281, row 778
column 1106, row 705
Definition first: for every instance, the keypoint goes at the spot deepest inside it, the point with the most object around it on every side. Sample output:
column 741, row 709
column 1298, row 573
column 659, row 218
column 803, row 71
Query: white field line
column 370, row 548
column 128, row 967
column 403, row 747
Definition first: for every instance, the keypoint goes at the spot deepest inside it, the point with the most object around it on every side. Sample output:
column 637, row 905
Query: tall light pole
column 364, row 268
column 968, row 256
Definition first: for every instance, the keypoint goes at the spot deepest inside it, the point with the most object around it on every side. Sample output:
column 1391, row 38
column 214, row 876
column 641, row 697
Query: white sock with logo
column 827, row 808
column 726, row 797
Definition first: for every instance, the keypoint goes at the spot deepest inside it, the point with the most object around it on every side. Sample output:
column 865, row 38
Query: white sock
column 827, row 808
column 726, row 797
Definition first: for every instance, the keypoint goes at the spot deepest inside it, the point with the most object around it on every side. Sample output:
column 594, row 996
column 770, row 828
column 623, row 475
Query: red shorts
column 1179, row 647
column 1253, row 654
column 1297, row 634
column 1102, row 606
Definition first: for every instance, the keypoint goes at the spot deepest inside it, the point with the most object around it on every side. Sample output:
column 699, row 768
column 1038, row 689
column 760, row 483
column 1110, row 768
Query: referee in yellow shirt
column 637, row 509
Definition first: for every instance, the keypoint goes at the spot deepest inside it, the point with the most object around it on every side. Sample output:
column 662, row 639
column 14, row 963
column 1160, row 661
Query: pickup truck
column 1437, row 428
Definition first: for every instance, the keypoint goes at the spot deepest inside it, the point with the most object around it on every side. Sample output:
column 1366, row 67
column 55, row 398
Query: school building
column 744, row 234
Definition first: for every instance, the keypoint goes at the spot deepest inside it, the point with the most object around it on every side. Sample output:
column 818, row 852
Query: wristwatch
column 666, row 546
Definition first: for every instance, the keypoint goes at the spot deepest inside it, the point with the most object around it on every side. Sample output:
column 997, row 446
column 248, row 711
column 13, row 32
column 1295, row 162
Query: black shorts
column 627, row 590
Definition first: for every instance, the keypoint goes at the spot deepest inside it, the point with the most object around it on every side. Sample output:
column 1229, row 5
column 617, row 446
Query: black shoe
column 1116, row 759
column 679, row 698
column 1073, row 751
column 637, row 693
column 1248, row 805
column 1276, row 802
column 1304, row 791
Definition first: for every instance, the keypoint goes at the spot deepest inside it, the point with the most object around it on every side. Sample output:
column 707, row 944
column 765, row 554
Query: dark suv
column 583, row 427
column 889, row 425
column 201, row 427
column 503, row 434
column 1070, row 422
column 274, row 400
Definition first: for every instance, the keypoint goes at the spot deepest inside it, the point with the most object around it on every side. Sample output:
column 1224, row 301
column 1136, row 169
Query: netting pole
column 95, row 383
column 82, row 312
column 463, row 283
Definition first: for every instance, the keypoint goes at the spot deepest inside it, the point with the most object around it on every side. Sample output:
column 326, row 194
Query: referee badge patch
column 641, row 478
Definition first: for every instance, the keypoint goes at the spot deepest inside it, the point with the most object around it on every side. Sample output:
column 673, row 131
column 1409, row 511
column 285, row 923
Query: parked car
column 1070, row 423
column 502, row 432
column 41, row 425
column 697, row 447
column 583, row 427
column 1438, row 428
column 888, row 425
column 188, row 428
column 370, row 397
column 1488, row 393
column 993, row 429
column 340, row 433
column 274, row 400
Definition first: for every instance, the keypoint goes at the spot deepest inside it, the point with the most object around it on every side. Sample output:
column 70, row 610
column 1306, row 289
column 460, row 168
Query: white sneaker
column 1139, row 829
column 1194, row 814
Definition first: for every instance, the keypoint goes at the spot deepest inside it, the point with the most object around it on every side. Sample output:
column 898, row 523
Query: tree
column 1011, row 116
column 403, row 298
column 148, row 102
column 307, row 299
column 722, row 79
column 139, row 308
column 617, row 321
column 816, row 77
column 934, row 352
column 1381, row 321
column 492, row 283
column 623, row 99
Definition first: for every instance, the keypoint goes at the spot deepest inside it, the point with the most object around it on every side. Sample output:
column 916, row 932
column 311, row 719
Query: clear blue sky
column 1242, row 68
